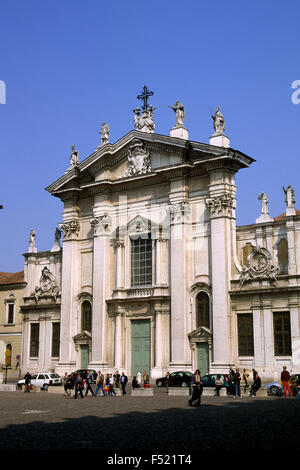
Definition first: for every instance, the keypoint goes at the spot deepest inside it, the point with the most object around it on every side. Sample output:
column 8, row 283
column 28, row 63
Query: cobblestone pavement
column 162, row 423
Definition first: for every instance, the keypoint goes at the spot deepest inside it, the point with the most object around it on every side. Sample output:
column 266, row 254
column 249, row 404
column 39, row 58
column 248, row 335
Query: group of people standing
column 75, row 384
column 237, row 378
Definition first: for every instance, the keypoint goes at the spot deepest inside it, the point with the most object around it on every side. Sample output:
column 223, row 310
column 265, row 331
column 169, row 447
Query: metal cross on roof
column 144, row 96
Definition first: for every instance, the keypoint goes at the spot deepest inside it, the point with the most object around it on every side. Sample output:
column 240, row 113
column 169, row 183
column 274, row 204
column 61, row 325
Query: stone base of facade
column 63, row 367
column 177, row 391
column 142, row 392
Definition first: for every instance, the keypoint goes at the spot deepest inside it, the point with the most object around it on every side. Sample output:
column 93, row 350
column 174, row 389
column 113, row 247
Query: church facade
column 154, row 275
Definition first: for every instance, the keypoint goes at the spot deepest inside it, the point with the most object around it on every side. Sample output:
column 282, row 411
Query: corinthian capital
column 101, row 224
column 178, row 211
column 70, row 229
column 220, row 205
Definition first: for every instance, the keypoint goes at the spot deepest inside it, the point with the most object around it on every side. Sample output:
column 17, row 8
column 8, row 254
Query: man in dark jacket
column 27, row 379
column 237, row 383
column 196, row 396
column 124, row 381
column 256, row 385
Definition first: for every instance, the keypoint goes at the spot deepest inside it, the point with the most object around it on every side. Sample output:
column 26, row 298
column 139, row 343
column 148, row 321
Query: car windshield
column 34, row 376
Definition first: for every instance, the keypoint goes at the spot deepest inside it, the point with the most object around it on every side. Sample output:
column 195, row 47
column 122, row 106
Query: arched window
column 246, row 252
column 86, row 316
column 202, row 310
column 8, row 353
column 283, row 256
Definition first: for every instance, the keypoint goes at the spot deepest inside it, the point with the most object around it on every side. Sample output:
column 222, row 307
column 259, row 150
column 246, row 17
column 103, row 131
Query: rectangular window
column 34, row 339
column 55, row 339
column 245, row 334
column 11, row 311
column 282, row 334
column 141, row 262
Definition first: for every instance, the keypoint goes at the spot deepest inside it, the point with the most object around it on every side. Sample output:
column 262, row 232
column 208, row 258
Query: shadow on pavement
column 257, row 425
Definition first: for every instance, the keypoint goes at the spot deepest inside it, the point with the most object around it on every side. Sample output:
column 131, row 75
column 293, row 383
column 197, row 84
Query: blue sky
column 69, row 65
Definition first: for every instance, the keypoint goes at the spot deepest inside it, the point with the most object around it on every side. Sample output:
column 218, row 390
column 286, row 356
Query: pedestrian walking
column 196, row 396
column 100, row 384
column 255, row 386
column 27, row 378
column 237, row 383
column 219, row 382
column 78, row 386
column 124, row 380
column 88, row 383
column 285, row 379
column 111, row 391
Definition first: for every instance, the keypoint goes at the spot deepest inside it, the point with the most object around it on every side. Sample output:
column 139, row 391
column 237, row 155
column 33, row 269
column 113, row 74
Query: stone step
column 142, row 392
column 56, row 389
column 34, row 388
column 8, row 388
column 178, row 391
column 211, row 392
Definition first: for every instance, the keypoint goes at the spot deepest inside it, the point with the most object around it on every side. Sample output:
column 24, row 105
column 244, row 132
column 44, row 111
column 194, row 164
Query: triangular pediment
column 138, row 155
column 200, row 333
column 84, row 337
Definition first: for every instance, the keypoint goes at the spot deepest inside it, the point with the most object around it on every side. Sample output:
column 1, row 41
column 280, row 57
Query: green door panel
column 140, row 346
column 203, row 358
column 84, row 357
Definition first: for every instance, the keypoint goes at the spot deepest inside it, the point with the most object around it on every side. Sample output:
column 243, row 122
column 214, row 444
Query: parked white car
column 43, row 380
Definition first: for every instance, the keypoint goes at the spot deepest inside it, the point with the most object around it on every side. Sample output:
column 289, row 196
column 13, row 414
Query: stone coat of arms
column 259, row 265
column 47, row 286
column 138, row 159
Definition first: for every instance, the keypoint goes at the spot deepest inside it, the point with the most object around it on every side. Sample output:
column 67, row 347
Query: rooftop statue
column 104, row 132
column 289, row 196
column 144, row 121
column 179, row 110
column 74, row 158
column 264, row 203
column 32, row 238
column 219, row 121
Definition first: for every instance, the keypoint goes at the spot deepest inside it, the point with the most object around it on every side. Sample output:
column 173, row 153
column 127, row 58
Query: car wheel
column 159, row 383
column 184, row 384
column 274, row 391
column 45, row 387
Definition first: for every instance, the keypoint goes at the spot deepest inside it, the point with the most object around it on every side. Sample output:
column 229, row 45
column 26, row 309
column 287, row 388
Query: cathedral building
column 153, row 273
